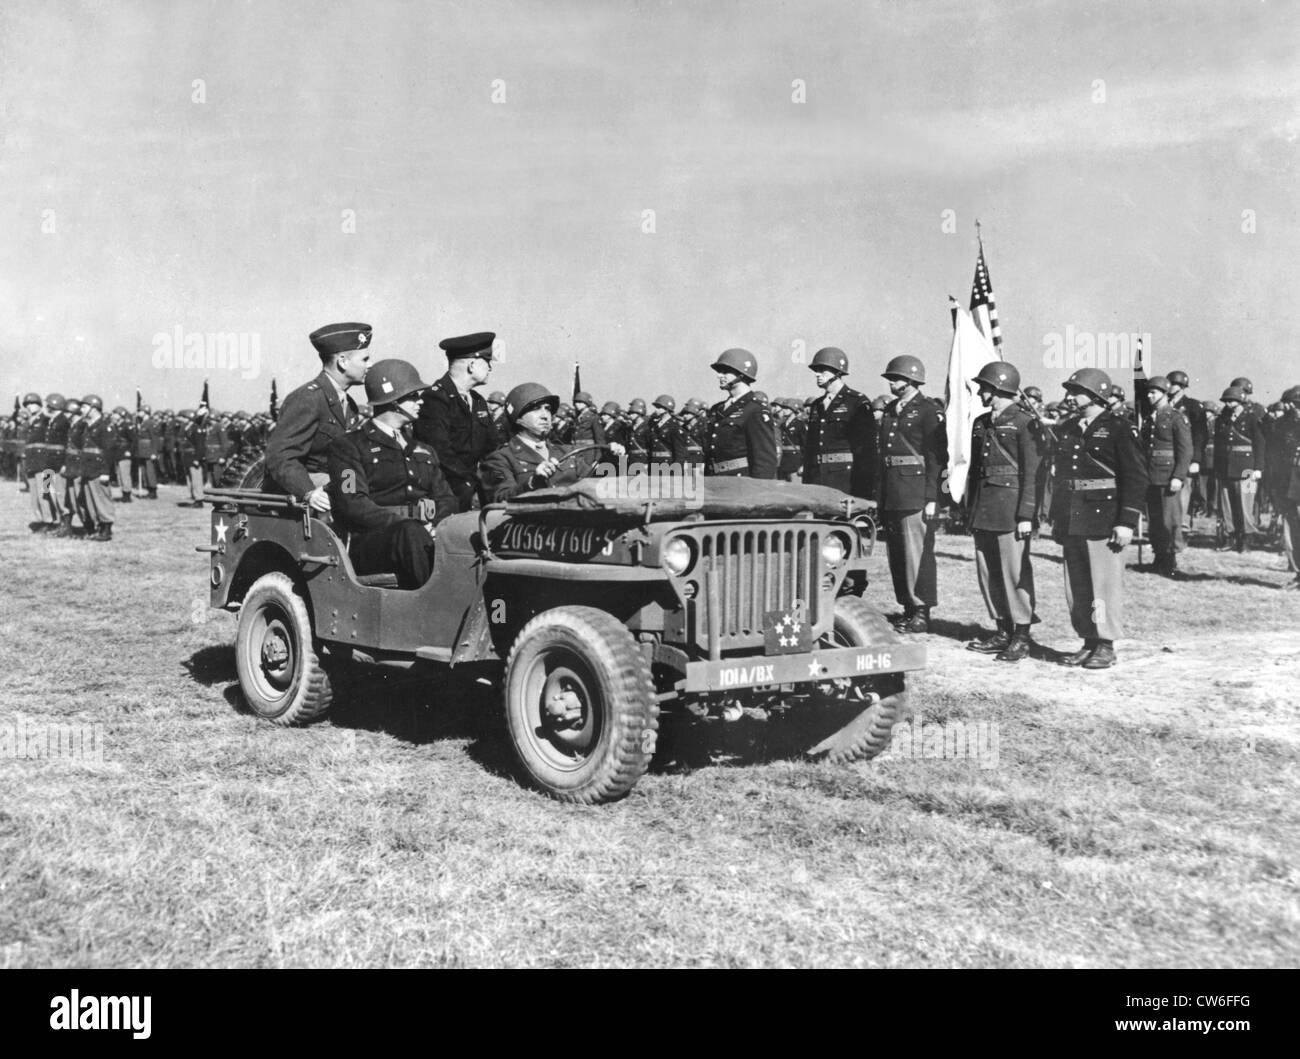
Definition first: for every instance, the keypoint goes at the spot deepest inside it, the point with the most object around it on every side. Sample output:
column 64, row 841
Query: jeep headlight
column 834, row 550
column 677, row 555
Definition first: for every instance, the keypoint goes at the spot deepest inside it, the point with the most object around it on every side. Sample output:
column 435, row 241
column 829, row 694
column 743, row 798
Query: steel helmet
column 1233, row 393
column 564, row 409
column 33, row 398
column 1091, row 380
column 1158, row 382
column 665, row 402
column 388, row 381
column 582, row 396
column 1000, row 377
column 1292, row 396
column 1117, row 393
column 1246, row 385
column 693, row 407
column 636, row 406
column 740, row 361
column 1034, row 392
column 56, row 402
column 762, row 397
column 1178, row 378
column 496, row 397
column 830, row 359
column 907, row 368
column 94, row 400
column 527, row 396
column 878, row 404
column 610, row 408
column 73, row 405
column 120, row 410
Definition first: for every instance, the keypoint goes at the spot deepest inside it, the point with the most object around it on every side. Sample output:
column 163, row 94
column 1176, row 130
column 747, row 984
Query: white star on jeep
column 795, row 626
column 814, row 667
column 221, row 528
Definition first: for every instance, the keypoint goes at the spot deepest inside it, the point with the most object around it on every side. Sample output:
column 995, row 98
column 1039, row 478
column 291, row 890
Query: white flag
column 970, row 352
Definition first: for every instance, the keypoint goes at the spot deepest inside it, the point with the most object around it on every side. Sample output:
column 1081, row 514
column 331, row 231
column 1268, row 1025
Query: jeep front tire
column 280, row 673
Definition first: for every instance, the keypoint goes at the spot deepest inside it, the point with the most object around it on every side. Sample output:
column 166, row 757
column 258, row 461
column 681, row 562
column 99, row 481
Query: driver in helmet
column 530, row 460
column 385, row 488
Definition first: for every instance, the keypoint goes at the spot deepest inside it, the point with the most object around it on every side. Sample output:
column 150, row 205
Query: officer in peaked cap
column 1240, row 450
column 1100, row 490
column 387, row 488
column 838, row 438
column 910, row 453
column 1003, row 501
column 455, row 420
column 739, row 440
column 1167, row 441
column 317, row 414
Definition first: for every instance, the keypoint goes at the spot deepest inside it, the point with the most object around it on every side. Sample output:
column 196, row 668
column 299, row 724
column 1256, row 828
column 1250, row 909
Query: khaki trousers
column 99, row 501
column 42, row 503
column 1237, row 505
column 910, row 544
column 1094, row 587
column 1164, row 521
column 1006, row 577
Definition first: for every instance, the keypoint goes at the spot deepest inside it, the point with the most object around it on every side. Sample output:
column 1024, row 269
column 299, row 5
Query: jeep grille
column 758, row 571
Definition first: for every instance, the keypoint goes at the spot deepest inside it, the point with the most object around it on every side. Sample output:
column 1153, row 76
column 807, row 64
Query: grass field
column 1144, row 816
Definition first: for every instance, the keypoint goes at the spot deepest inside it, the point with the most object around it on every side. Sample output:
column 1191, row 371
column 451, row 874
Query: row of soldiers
column 69, row 454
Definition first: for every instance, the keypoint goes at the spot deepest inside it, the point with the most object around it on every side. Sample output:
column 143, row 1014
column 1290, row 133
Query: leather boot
column 65, row 527
column 918, row 622
column 1103, row 657
column 153, row 494
column 1081, row 655
column 991, row 645
column 1018, row 648
column 899, row 620
column 1239, row 542
column 126, row 498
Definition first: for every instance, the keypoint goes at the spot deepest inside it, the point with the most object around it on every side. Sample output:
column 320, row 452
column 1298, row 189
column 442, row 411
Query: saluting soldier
column 693, row 413
column 665, row 437
column 1006, row 450
column 739, row 441
column 909, row 457
column 317, row 414
column 1239, row 452
column 455, row 420
column 1167, row 441
column 1101, row 484
column 386, row 488
column 837, row 440
column 530, row 460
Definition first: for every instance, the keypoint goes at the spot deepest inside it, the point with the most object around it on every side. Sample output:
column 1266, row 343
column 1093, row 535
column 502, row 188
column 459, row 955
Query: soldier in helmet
column 317, row 414
column 588, row 427
column 738, row 439
column 386, row 488
column 93, row 483
column 1239, row 454
column 664, row 436
column 909, row 457
column 1006, row 450
column 56, row 443
column 692, row 429
column 786, row 411
column 1101, row 486
column 497, row 407
column 36, row 462
column 837, row 441
column 1287, row 440
column 1193, row 494
column 148, row 447
column 530, row 460
column 638, row 438
column 455, row 420
column 1167, row 440
column 73, row 498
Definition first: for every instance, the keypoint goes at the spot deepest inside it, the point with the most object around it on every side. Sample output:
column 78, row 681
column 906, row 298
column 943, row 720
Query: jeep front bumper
column 829, row 664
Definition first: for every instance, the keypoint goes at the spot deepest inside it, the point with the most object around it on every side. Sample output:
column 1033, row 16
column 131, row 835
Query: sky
column 191, row 169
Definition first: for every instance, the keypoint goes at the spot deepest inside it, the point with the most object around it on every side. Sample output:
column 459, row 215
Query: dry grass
column 1141, row 817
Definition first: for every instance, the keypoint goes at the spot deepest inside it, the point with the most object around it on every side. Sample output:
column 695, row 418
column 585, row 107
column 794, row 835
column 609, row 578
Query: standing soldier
column 56, row 443
column 1006, row 451
column 1239, row 450
column 1100, row 487
column 497, row 407
column 121, row 434
column 693, row 433
column 455, row 420
column 317, row 414
column 666, row 439
column 612, row 427
column 144, row 457
column 36, row 462
column 909, row 447
column 587, row 428
column 96, row 449
column 837, row 440
column 638, row 434
column 1193, row 487
column 1167, row 441
column 73, row 496
column 738, row 440
column 1287, row 439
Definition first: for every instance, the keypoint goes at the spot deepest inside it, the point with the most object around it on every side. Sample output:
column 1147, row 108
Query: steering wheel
column 578, row 452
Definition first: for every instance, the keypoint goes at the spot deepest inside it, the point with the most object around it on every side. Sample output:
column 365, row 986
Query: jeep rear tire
column 580, row 705
column 867, row 731
column 280, row 672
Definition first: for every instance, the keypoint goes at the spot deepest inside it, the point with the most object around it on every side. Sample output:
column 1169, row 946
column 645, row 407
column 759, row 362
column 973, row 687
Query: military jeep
column 597, row 611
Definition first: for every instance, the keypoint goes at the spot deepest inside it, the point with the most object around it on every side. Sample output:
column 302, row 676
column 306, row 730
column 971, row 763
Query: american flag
column 982, row 306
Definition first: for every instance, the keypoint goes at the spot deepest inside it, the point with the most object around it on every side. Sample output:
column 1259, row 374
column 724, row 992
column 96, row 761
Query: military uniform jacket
column 1006, row 451
column 121, row 440
column 311, row 419
column 738, row 440
column 96, row 448
column 72, row 454
column 38, row 454
column 56, row 440
column 461, row 434
column 1167, row 439
column 1195, row 413
column 147, row 442
column 838, row 441
column 1286, row 440
column 1100, row 479
column 1239, row 444
column 910, row 442
column 586, row 429
column 510, row 469
column 376, row 480
column 693, row 437
column 667, row 442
